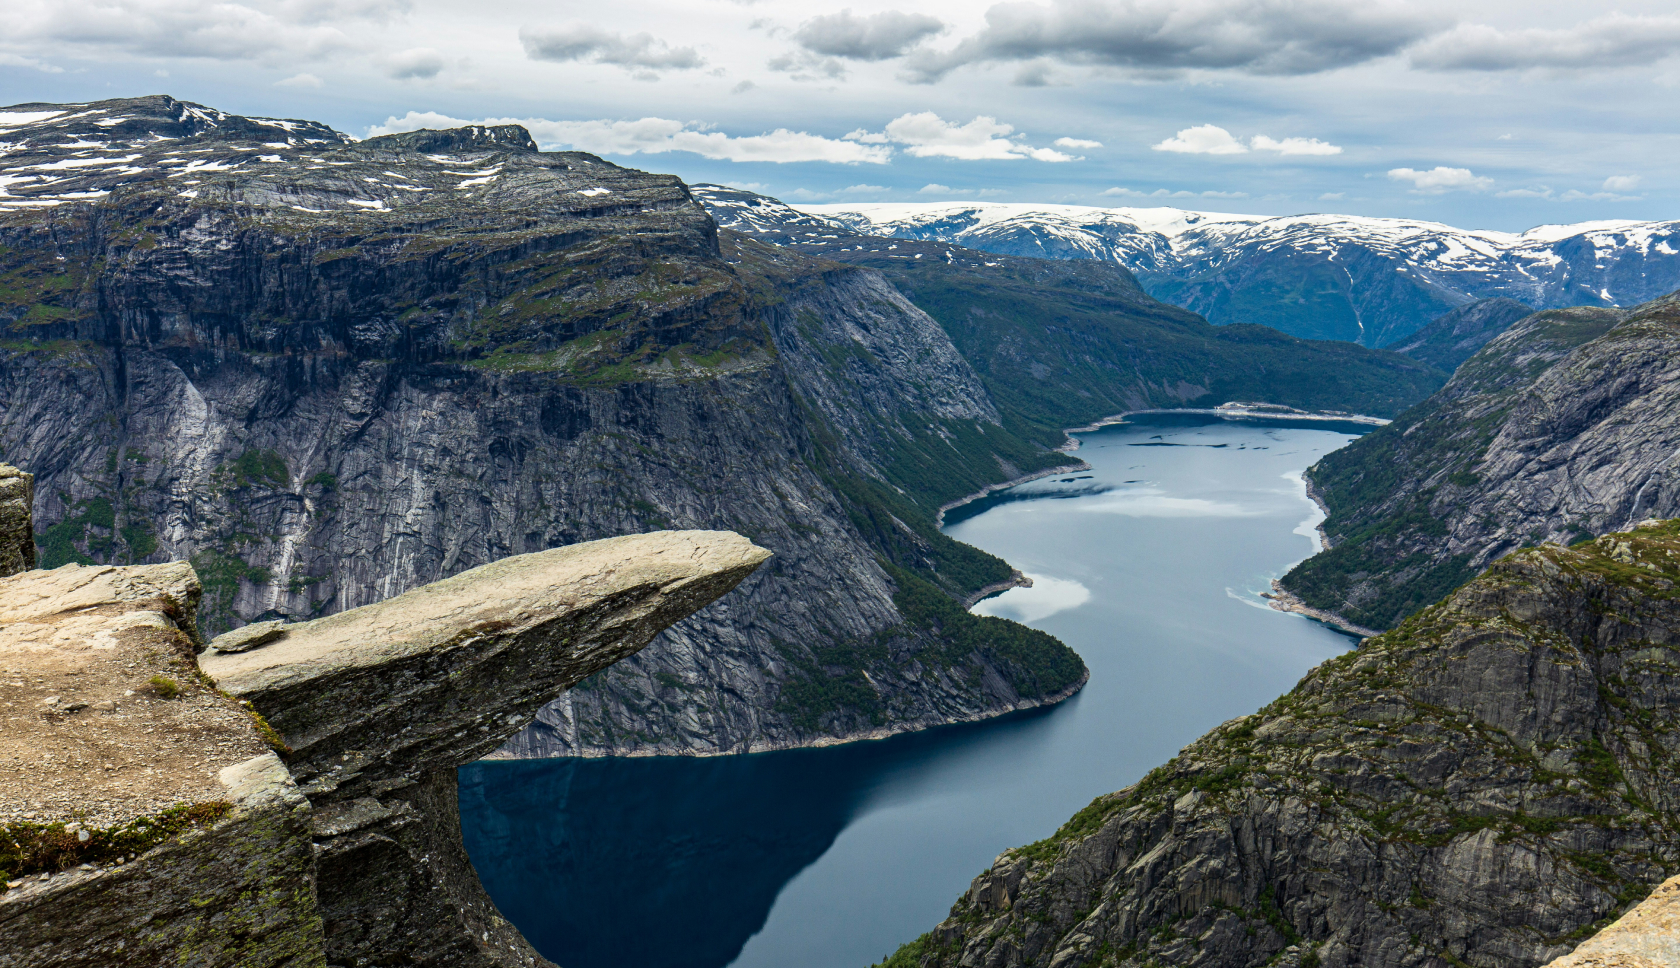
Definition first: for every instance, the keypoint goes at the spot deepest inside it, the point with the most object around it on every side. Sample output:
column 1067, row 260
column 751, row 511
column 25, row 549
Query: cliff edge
column 288, row 798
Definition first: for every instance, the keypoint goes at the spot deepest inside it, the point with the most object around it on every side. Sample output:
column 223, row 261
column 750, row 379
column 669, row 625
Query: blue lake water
column 1150, row 565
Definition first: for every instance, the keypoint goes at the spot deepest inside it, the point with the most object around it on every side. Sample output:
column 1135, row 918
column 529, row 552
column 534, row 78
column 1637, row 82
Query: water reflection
column 1151, row 566
column 674, row 862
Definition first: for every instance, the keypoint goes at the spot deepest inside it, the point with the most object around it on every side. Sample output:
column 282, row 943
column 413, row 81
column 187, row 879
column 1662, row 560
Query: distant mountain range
column 1367, row 280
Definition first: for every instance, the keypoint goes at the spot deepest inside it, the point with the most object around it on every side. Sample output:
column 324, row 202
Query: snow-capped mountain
column 1371, row 280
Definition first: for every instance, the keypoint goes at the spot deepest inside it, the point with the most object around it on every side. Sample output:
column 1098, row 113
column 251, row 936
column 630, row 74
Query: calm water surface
column 1150, row 566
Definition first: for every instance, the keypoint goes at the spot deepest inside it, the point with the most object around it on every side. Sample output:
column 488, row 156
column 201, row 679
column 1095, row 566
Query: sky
column 1489, row 114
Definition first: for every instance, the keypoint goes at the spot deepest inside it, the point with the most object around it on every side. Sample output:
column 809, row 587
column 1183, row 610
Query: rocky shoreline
column 1285, row 601
column 1015, row 580
column 884, row 732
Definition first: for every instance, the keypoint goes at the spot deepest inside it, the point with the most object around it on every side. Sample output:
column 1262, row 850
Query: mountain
column 1560, row 428
column 1487, row 784
column 1367, row 280
column 1061, row 343
column 1455, row 337
column 327, row 372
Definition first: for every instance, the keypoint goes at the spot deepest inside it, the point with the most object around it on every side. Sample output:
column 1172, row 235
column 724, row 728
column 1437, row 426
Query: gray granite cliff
column 292, row 803
column 1561, row 428
column 328, row 372
column 1487, row 784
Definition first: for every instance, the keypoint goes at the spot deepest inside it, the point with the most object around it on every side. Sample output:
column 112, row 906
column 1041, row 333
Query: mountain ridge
column 1364, row 279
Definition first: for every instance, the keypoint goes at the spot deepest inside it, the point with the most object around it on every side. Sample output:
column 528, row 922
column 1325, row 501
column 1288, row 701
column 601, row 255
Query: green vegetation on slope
column 1061, row 343
column 1394, row 494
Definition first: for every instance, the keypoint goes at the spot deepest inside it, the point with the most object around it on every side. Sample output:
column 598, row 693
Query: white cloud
column 582, row 42
column 1076, row 143
column 758, row 187
column 993, row 192
column 1155, row 36
column 1621, row 183
column 279, row 33
column 1575, row 195
column 934, row 188
column 806, row 195
column 1294, row 146
column 1615, row 40
column 930, row 136
column 743, row 87
column 1224, row 194
column 658, row 135
column 1203, row 139
column 873, row 38
column 418, row 62
column 300, row 81
column 1117, row 191
column 18, row 60
column 1541, row 192
column 1441, row 179
column 805, row 66
column 863, row 190
column 1332, row 196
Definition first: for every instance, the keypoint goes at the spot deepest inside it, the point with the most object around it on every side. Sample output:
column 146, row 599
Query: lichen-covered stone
column 17, row 536
column 240, row 894
column 248, row 637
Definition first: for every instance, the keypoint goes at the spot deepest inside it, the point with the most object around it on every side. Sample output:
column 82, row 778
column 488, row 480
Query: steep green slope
column 1455, row 337
column 1061, row 343
column 1562, row 426
column 1486, row 785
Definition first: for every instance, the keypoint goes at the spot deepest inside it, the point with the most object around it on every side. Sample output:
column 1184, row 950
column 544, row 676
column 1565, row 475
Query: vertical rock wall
column 17, row 536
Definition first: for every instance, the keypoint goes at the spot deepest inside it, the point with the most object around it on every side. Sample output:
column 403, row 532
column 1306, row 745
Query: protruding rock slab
column 380, row 705
column 1646, row 937
column 376, row 697
column 248, row 637
column 17, row 534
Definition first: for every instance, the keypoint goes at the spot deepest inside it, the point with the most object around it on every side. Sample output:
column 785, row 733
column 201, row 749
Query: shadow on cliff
column 675, row 862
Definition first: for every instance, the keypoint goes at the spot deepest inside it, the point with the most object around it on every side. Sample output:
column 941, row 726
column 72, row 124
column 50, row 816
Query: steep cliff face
column 1487, row 784
column 328, row 372
column 149, row 821
column 1060, row 343
column 17, row 536
column 1561, row 427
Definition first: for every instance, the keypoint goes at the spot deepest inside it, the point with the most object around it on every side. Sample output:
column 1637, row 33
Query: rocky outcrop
column 145, row 819
column 1487, row 784
column 1559, row 429
column 328, row 372
column 17, row 537
column 153, row 827
column 1455, row 337
column 1646, row 937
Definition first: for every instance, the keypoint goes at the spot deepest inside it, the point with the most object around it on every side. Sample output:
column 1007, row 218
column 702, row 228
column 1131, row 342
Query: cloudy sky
column 1482, row 113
